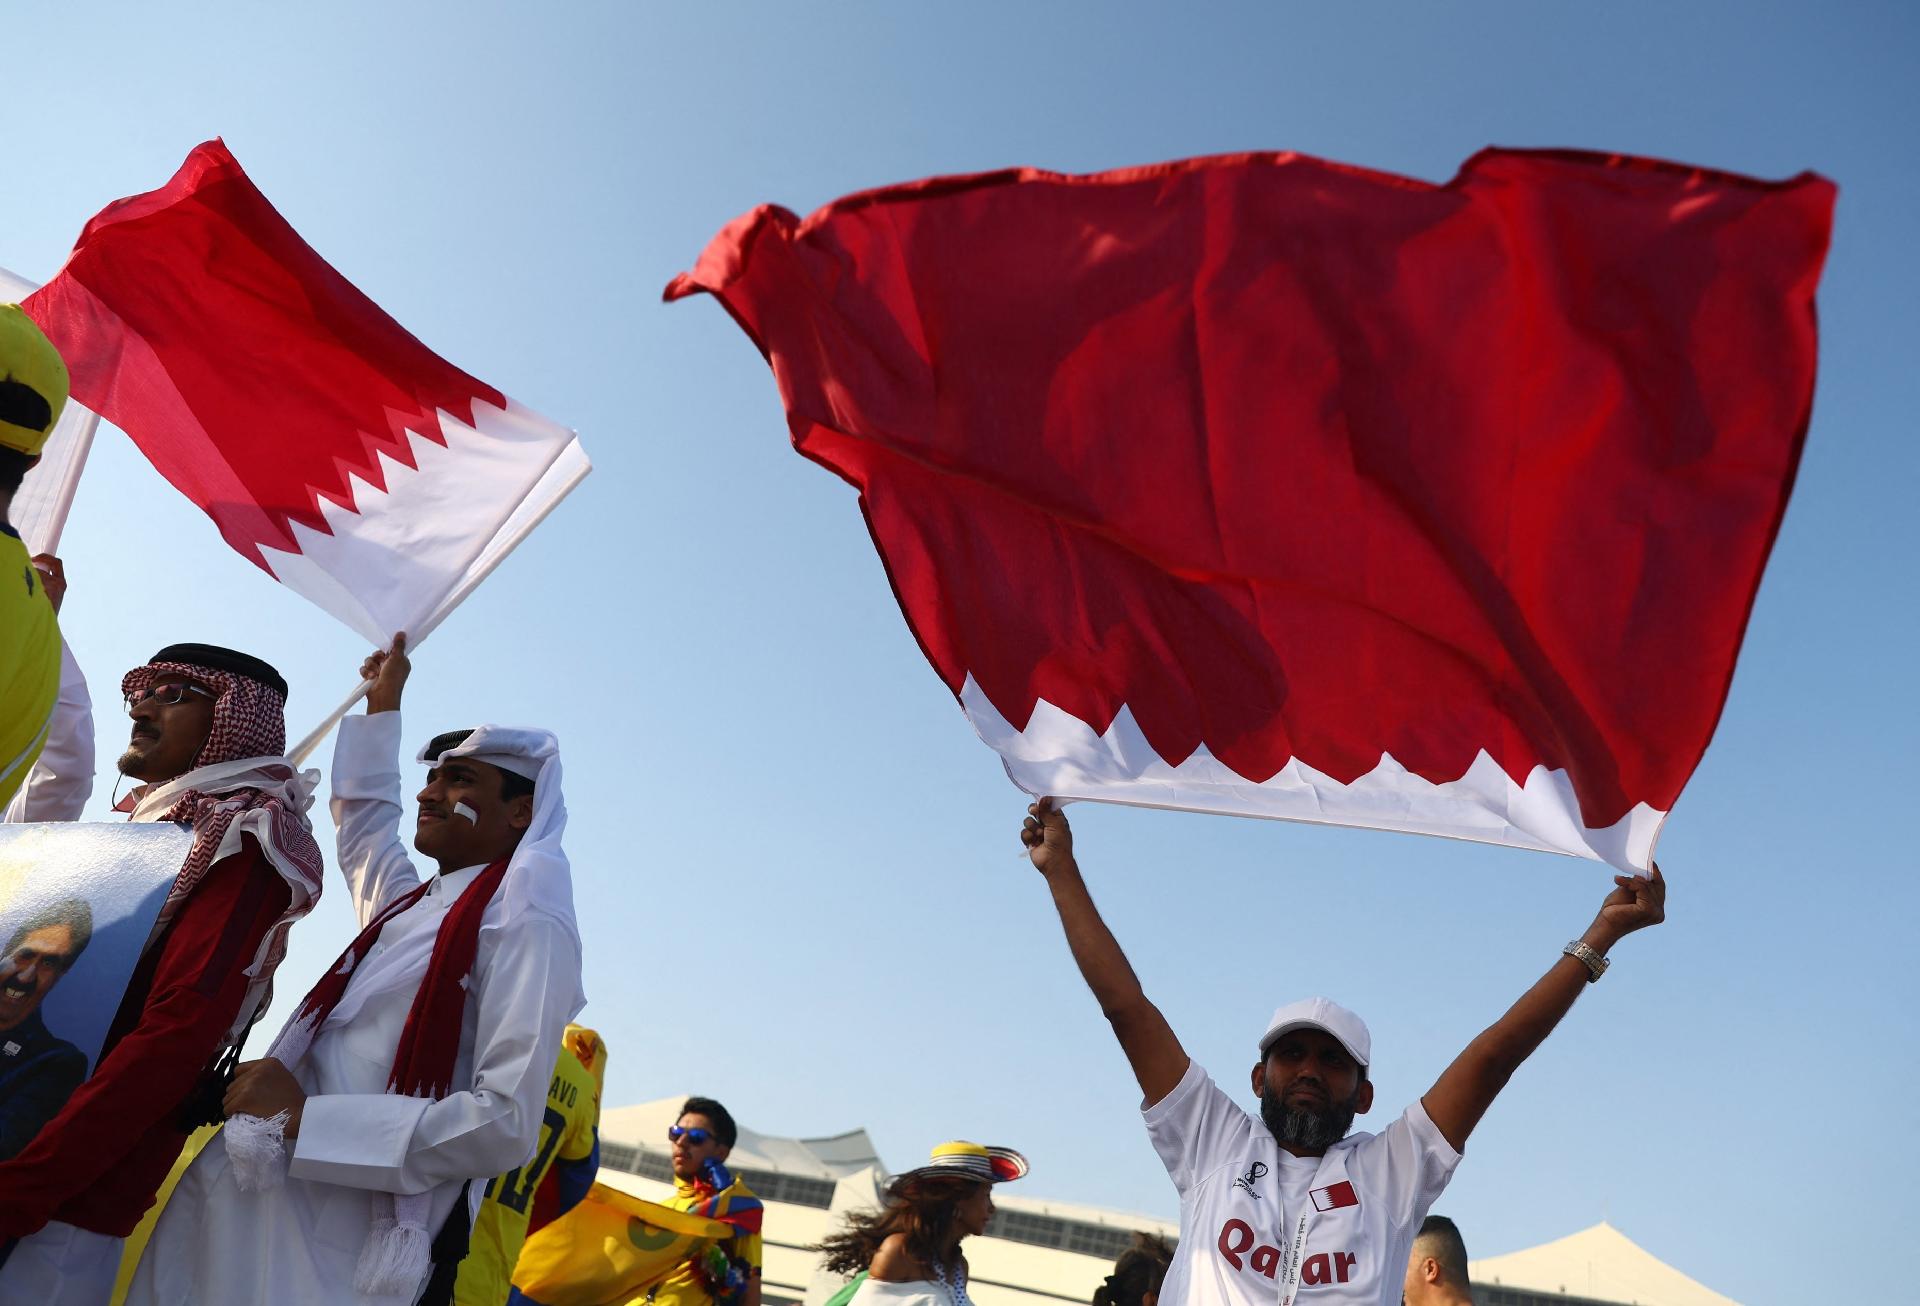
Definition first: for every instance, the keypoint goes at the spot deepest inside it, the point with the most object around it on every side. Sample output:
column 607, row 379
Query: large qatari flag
column 1266, row 485
column 330, row 446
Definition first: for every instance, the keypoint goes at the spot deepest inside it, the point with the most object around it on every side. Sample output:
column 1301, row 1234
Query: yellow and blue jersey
column 556, row 1177
column 29, row 663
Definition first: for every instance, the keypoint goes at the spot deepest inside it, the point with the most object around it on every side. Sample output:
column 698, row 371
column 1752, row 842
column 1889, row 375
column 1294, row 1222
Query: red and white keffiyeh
column 240, row 784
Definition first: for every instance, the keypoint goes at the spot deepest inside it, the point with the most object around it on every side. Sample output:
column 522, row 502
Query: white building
column 1034, row 1252
column 1596, row 1267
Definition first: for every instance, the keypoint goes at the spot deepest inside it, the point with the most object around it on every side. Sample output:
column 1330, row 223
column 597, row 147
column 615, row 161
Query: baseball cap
column 33, row 382
column 1322, row 1014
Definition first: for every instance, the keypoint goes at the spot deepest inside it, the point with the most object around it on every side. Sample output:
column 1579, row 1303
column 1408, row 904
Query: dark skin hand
column 388, row 669
column 53, row 577
column 265, row 1088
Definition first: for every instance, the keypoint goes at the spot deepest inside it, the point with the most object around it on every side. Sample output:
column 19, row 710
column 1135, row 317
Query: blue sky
column 795, row 864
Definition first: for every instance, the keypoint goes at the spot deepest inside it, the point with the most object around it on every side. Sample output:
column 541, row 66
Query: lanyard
column 1331, row 1170
column 1296, row 1254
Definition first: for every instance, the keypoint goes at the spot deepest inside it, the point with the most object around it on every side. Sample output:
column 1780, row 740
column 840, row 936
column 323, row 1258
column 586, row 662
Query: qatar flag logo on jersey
column 1334, row 1196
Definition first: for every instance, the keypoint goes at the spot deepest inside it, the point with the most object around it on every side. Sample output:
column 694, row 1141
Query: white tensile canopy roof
column 1600, row 1262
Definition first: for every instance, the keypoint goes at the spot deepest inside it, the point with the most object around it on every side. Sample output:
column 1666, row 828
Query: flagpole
column 458, row 595
column 302, row 750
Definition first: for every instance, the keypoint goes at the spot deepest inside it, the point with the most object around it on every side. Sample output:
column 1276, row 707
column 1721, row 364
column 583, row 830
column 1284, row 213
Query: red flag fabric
column 332, row 448
column 1267, row 485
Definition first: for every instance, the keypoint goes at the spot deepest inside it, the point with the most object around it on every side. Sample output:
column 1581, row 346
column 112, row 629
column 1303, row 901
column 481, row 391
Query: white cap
column 1321, row 1014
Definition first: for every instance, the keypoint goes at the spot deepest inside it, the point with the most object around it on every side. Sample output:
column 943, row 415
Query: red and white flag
column 1335, row 1196
column 1271, row 486
column 332, row 448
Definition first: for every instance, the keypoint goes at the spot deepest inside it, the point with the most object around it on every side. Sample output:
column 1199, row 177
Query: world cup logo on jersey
column 1255, row 1172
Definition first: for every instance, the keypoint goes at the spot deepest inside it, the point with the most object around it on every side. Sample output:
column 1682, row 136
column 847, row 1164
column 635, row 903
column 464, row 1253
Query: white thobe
column 300, row 1242
column 61, row 781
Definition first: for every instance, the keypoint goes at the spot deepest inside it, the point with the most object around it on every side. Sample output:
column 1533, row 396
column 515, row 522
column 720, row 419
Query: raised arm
column 1467, row 1088
column 1152, row 1049
column 366, row 802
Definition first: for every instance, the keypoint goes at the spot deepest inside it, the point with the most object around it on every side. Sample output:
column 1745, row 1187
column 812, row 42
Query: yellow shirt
column 685, row 1287
column 29, row 664
column 566, row 1133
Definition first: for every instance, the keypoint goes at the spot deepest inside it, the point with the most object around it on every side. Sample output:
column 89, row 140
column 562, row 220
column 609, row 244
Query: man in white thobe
column 353, row 1149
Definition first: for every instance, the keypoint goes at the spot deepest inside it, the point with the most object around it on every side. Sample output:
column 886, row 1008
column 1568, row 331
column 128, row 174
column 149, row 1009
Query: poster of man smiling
column 77, row 903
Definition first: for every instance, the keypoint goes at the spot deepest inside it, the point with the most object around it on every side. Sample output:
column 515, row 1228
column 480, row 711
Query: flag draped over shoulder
column 1271, row 486
column 610, row 1249
column 332, row 448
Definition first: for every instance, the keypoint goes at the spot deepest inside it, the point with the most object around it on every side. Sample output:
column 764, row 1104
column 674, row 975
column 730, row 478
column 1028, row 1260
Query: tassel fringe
column 395, row 1259
column 257, row 1150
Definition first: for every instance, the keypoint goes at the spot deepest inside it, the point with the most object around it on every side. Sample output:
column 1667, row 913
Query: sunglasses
column 167, row 695
column 697, row 1136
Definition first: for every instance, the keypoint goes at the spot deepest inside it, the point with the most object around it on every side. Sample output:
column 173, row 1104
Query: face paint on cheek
column 461, row 809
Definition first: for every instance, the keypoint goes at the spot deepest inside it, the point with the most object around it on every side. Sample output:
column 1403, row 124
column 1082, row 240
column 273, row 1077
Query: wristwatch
column 1595, row 963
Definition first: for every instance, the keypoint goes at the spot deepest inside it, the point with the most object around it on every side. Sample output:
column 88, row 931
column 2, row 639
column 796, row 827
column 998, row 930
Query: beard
column 1312, row 1131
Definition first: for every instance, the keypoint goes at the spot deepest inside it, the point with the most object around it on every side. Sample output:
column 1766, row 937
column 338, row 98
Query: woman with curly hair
column 908, row 1252
column 1137, row 1275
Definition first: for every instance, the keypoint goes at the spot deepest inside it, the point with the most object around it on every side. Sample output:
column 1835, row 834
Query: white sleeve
column 525, row 988
column 366, row 812
column 1196, row 1128
column 61, row 781
column 1411, row 1160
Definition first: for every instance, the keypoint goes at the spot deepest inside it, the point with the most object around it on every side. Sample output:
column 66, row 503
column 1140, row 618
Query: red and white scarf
column 240, row 784
column 398, row 1250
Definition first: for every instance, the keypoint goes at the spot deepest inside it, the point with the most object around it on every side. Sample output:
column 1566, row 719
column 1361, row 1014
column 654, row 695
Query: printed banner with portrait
column 77, row 904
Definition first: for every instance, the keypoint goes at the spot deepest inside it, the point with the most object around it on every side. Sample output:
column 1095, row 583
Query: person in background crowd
column 59, row 783
column 1437, row 1267
column 209, row 728
column 1289, row 1202
column 355, row 1151
column 33, row 390
column 553, row 1181
column 726, row 1273
column 1137, row 1275
column 909, row 1251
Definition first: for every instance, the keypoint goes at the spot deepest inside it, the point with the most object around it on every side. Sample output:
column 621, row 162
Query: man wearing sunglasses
column 726, row 1273
column 206, row 742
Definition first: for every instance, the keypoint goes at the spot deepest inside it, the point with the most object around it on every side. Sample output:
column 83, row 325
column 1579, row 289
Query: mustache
column 15, row 987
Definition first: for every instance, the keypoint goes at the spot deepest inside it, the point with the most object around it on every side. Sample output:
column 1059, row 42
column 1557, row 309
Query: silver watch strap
column 1595, row 963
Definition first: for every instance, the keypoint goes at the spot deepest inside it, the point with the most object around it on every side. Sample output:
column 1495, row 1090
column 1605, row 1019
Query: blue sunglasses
column 697, row 1136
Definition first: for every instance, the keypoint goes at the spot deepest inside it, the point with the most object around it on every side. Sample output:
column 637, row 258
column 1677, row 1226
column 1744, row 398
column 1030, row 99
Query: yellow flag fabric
column 137, row 1241
column 609, row 1250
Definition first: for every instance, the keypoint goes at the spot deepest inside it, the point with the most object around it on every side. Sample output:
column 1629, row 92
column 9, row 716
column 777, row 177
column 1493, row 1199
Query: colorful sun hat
column 959, row 1160
column 33, row 382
